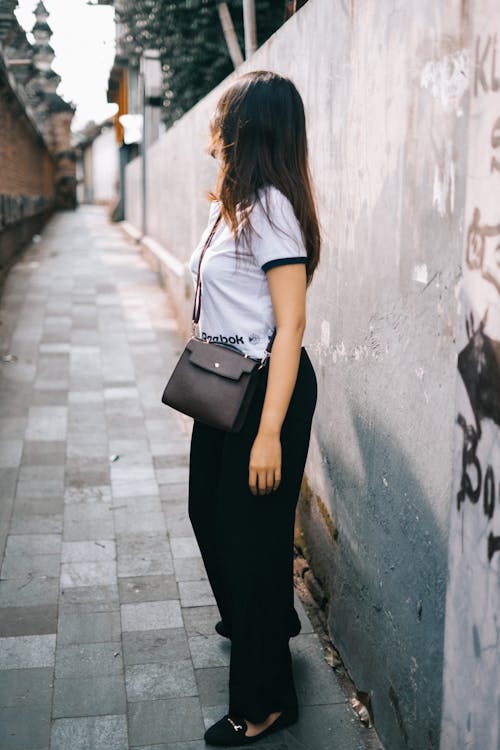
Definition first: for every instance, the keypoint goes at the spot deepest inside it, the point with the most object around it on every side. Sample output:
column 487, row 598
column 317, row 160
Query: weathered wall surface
column 385, row 88
column 471, row 681
column 105, row 166
column 26, row 172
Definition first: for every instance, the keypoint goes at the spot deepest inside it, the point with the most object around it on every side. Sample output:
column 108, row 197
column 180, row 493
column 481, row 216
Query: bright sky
column 83, row 41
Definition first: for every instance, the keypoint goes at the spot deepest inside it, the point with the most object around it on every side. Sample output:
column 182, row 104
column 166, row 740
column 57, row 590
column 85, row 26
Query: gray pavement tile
column 88, row 419
column 172, row 475
column 97, row 528
column 40, row 473
column 184, row 546
column 46, row 423
column 149, row 646
column 29, row 592
column 196, row 593
column 147, row 588
column 134, row 488
column 8, row 481
column 189, row 569
column 213, row 685
column 36, row 620
column 93, row 470
column 17, row 652
column 87, row 659
column 88, row 494
column 24, row 522
column 162, row 447
column 306, row 626
column 165, row 721
column 90, row 733
column 10, row 452
column 21, row 687
column 87, row 445
column 121, row 393
column 50, row 505
column 148, row 504
column 315, row 680
column 131, row 448
column 33, row 544
column 21, row 372
column 43, row 397
column 177, row 518
column 50, row 384
column 13, row 428
column 52, row 365
column 158, row 680
column 97, row 550
column 151, row 615
column 140, row 521
column 55, row 348
column 324, row 727
column 24, row 727
column 90, row 595
column 173, row 460
column 95, row 695
column 77, row 398
column 130, row 470
column 200, row 620
column 142, row 554
column 35, row 489
column 20, row 566
column 102, row 573
column 88, row 627
column 45, row 452
column 209, row 651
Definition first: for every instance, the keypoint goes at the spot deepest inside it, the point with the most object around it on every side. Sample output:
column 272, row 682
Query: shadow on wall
column 371, row 530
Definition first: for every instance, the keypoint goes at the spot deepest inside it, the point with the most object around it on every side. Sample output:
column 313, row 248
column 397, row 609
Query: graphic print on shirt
column 236, row 305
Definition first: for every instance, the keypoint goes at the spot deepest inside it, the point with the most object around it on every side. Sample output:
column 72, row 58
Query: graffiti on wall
column 479, row 360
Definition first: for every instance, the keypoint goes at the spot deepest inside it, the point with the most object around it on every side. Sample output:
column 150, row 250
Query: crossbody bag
column 213, row 382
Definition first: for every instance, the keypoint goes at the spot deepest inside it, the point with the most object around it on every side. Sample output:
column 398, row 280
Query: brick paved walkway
column 106, row 617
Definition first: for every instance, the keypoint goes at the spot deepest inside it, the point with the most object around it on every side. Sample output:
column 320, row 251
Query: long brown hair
column 258, row 132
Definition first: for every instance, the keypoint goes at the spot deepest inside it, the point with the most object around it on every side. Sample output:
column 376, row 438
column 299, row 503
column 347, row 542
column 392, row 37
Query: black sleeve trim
column 283, row 262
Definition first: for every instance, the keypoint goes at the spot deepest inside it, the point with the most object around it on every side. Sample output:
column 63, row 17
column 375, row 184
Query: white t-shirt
column 236, row 306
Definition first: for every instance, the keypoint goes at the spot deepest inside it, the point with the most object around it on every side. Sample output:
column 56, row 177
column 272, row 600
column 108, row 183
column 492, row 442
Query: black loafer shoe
column 229, row 732
column 294, row 630
column 221, row 630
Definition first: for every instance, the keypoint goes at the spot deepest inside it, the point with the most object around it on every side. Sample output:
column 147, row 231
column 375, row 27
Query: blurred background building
column 37, row 159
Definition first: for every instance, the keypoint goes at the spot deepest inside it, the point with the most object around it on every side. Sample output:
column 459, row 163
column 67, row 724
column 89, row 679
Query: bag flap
column 218, row 359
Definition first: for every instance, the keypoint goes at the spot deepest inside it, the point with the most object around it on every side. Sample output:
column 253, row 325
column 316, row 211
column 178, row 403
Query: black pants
column 246, row 542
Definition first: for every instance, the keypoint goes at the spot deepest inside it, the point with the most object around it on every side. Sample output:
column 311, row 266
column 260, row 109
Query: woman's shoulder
column 273, row 205
column 272, row 196
column 213, row 209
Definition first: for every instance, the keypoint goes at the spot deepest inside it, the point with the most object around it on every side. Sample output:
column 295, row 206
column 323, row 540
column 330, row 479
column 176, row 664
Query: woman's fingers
column 252, row 481
column 277, row 479
column 267, row 481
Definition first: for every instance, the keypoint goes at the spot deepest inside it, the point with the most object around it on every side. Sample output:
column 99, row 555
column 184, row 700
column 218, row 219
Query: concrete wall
column 105, row 167
column 385, row 87
column 471, row 708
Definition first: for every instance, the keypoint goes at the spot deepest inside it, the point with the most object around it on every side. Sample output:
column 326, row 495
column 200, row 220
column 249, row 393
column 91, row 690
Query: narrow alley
column 107, row 637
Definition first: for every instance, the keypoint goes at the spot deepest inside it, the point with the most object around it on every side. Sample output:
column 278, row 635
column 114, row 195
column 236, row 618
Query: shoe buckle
column 236, row 727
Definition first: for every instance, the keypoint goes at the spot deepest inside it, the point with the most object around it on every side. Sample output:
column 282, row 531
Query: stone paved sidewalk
column 107, row 635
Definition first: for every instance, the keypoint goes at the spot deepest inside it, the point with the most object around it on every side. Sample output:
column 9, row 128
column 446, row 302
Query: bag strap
column 197, row 294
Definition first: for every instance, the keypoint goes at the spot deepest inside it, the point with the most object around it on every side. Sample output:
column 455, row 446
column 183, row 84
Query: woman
column 244, row 487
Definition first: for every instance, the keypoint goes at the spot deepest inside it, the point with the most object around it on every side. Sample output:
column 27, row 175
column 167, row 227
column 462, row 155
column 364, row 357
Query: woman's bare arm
column 287, row 286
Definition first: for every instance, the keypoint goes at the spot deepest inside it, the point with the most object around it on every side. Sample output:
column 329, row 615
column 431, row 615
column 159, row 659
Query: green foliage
column 189, row 36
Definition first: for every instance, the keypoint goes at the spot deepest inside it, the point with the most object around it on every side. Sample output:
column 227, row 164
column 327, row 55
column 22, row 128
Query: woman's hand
column 264, row 470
